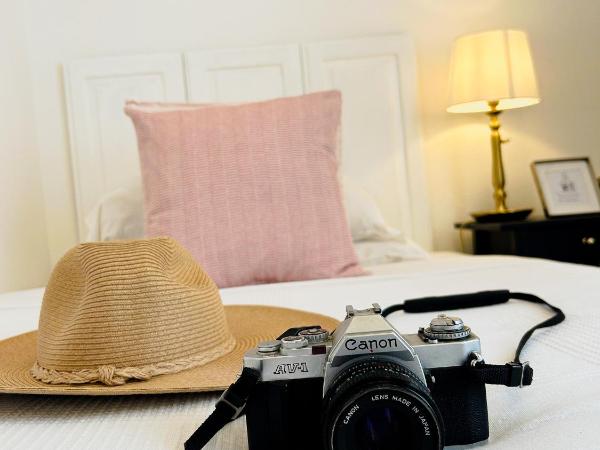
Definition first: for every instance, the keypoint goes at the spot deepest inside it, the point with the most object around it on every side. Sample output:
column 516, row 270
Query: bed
column 381, row 154
column 561, row 409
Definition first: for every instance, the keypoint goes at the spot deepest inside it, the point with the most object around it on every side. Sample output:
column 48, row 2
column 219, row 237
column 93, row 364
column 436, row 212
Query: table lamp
column 491, row 72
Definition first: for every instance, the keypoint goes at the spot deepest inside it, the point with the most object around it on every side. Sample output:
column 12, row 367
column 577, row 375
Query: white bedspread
column 560, row 410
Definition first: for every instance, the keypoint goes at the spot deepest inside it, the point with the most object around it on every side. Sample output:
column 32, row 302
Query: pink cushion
column 251, row 190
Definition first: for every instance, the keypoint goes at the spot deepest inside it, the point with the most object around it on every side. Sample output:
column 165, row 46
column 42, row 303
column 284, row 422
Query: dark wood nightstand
column 570, row 239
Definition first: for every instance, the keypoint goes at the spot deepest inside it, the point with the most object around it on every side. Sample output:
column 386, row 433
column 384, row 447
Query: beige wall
column 564, row 36
column 24, row 258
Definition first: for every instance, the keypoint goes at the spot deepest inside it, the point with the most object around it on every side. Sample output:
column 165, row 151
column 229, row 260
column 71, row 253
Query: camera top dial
column 314, row 335
column 445, row 328
column 294, row 342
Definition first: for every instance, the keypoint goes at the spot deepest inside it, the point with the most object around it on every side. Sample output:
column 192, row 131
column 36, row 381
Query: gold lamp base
column 501, row 216
column 502, row 213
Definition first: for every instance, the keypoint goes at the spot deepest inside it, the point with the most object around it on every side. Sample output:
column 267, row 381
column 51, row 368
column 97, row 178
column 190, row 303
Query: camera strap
column 229, row 407
column 232, row 402
column 512, row 374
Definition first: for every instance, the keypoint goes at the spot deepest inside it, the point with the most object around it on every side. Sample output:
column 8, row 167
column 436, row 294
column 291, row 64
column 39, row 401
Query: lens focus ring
column 377, row 404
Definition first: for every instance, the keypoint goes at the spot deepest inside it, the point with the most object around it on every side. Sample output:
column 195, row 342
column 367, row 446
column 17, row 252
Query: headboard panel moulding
column 377, row 77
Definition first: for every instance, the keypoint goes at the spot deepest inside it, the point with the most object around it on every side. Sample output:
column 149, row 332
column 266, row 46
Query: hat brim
column 248, row 324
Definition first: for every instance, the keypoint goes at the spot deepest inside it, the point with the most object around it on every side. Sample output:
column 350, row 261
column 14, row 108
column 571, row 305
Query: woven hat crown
column 116, row 311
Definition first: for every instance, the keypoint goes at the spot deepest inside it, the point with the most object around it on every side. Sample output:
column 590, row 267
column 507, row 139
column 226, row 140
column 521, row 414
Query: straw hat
column 137, row 317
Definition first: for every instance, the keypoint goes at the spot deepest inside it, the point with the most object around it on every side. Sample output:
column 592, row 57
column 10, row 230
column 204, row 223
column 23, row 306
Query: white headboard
column 380, row 132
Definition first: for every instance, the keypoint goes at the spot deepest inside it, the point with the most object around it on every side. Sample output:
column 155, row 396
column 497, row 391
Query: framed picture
column 567, row 186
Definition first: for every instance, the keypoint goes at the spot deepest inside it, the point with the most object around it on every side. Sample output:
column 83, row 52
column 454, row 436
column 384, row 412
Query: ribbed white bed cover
column 561, row 410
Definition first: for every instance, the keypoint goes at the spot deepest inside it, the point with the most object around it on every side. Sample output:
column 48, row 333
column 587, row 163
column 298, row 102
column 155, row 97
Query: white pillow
column 372, row 253
column 120, row 215
column 375, row 241
column 364, row 217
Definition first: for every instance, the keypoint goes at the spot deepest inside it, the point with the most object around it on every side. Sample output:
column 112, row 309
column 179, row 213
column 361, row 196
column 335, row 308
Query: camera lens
column 381, row 427
column 380, row 405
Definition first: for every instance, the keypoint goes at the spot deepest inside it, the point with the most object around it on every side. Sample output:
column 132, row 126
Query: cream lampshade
column 490, row 72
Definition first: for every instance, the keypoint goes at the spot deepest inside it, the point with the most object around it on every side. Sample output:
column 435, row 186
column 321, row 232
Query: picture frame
column 567, row 187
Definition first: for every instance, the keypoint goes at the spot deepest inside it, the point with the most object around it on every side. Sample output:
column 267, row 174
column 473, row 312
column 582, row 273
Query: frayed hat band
column 115, row 376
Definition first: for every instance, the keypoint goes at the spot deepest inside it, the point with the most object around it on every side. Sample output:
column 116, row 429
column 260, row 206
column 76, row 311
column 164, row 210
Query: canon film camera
column 366, row 386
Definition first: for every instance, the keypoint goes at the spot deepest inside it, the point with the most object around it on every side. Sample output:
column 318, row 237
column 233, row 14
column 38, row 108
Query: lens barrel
column 377, row 404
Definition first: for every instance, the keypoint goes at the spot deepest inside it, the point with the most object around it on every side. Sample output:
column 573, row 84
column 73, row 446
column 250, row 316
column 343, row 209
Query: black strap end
column 230, row 406
column 521, row 374
column 513, row 374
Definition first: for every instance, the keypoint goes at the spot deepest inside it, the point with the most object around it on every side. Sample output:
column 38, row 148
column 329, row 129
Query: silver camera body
column 367, row 386
column 364, row 334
